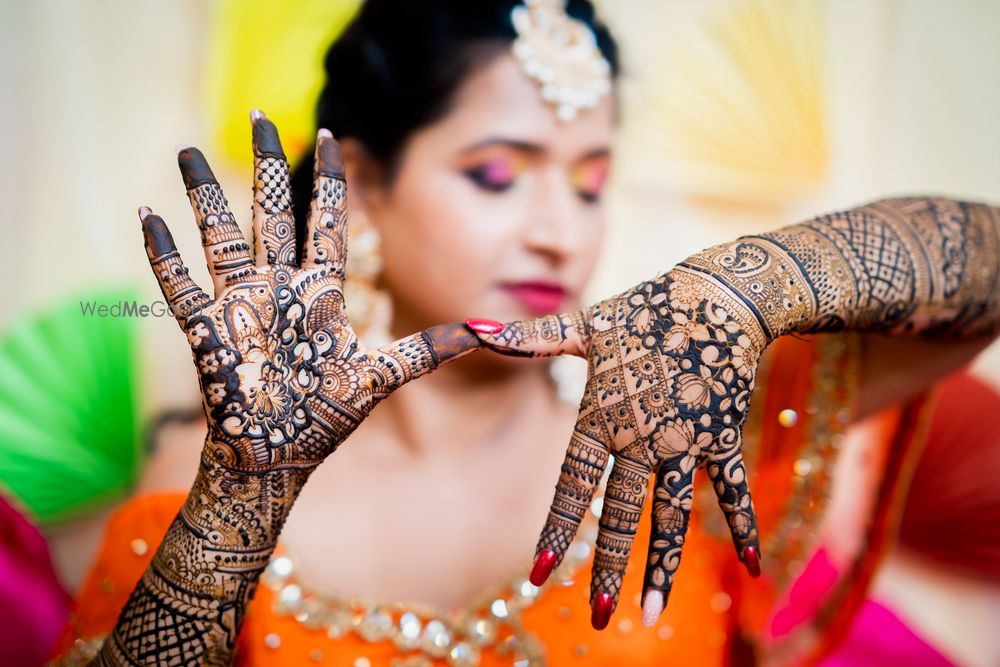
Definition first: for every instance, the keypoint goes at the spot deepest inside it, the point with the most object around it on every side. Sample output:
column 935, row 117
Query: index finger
column 549, row 335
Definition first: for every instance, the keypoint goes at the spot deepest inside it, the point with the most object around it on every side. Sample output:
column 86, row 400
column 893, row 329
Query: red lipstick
column 539, row 298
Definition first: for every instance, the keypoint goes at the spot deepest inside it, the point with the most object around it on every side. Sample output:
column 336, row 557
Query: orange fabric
column 714, row 615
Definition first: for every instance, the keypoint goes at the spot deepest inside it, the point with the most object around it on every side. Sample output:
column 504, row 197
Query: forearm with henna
column 918, row 266
column 189, row 605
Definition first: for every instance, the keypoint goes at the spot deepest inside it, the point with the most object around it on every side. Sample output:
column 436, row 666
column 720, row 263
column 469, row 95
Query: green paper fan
column 69, row 435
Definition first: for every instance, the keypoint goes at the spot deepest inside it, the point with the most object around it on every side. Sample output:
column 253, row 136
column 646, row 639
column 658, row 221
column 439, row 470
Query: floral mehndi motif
column 673, row 360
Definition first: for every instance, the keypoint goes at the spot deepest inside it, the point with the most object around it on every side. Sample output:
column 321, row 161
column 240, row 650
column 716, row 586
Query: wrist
column 229, row 524
column 705, row 276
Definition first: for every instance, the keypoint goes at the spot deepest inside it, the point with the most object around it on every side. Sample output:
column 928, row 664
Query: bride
column 476, row 141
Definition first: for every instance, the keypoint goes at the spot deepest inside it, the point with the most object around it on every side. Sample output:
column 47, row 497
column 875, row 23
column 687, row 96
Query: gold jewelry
column 368, row 307
column 561, row 54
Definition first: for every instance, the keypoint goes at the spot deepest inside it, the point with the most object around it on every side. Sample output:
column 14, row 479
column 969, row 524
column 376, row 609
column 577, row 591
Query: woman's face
column 495, row 210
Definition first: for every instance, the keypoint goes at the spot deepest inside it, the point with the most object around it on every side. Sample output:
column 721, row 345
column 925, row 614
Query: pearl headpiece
column 560, row 53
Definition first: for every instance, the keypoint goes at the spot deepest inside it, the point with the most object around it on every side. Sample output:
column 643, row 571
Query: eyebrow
column 528, row 147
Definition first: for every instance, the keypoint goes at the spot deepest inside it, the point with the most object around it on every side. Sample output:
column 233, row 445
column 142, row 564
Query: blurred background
column 738, row 116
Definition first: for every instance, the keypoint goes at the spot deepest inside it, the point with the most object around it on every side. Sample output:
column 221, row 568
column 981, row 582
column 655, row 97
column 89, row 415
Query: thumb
column 550, row 335
column 396, row 363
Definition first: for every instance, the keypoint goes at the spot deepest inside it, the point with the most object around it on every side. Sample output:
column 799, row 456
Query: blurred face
column 495, row 210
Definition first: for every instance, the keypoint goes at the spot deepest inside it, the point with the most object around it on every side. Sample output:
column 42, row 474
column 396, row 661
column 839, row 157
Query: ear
column 365, row 188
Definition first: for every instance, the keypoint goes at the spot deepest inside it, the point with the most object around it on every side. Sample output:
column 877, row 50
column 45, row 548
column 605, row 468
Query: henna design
column 672, row 363
column 285, row 381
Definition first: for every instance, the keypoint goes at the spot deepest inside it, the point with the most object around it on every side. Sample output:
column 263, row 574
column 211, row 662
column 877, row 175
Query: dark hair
column 397, row 65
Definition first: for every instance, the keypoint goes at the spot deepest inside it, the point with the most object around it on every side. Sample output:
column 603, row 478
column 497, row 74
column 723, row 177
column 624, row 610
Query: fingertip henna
column 451, row 340
column 266, row 141
column 158, row 239
column 329, row 157
column 194, row 168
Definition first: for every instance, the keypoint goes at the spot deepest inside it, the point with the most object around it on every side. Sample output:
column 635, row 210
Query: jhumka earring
column 368, row 306
column 560, row 53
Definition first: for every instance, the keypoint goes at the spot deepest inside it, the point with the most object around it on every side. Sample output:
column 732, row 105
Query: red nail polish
column 485, row 326
column 752, row 561
column 544, row 563
column 600, row 613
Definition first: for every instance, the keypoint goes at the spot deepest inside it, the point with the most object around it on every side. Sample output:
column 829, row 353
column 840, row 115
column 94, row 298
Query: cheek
column 441, row 246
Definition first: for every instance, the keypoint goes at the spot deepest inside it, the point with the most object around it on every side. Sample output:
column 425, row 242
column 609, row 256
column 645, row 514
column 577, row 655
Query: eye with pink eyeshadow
column 589, row 178
column 494, row 175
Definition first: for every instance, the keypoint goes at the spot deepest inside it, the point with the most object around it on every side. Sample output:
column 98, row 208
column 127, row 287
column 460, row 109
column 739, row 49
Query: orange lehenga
column 716, row 615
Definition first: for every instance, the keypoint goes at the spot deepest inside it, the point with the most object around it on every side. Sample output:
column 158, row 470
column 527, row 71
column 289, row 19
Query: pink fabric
column 879, row 638
column 33, row 604
column 806, row 594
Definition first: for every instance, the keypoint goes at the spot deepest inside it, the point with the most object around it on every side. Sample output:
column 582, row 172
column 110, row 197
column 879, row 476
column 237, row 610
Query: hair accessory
column 561, row 54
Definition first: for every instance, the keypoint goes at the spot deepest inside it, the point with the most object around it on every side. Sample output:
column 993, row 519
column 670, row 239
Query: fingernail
column 181, row 147
column 256, row 114
column 544, row 563
column 652, row 607
column 327, row 134
column 752, row 561
column 484, row 326
column 143, row 212
column 600, row 613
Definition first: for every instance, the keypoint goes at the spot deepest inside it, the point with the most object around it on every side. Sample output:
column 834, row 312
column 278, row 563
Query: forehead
column 498, row 99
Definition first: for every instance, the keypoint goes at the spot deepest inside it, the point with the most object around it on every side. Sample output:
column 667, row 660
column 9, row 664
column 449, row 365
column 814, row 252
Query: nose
column 552, row 228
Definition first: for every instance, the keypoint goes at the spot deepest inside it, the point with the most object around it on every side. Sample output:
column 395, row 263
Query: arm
column 673, row 360
column 914, row 266
column 285, row 381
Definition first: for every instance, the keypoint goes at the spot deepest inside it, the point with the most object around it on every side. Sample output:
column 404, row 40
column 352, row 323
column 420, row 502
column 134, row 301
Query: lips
column 540, row 298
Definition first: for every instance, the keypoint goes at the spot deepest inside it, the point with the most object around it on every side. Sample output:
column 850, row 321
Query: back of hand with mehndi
column 672, row 363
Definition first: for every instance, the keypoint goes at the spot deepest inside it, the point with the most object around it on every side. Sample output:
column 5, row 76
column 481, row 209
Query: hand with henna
column 284, row 379
column 672, row 364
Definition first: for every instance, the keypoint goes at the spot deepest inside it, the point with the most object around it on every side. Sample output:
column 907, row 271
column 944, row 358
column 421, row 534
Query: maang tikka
column 561, row 54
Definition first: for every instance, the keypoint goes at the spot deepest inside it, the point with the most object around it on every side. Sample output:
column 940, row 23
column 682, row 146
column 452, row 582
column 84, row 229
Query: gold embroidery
column 494, row 620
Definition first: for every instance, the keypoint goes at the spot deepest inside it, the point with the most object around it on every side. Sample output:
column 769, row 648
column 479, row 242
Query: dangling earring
column 368, row 307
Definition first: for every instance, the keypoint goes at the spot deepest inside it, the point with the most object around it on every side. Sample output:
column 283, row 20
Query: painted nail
column 544, row 563
column 752, row 561
column 181, row 147
column 143, row 212
column 327, row 134
column 652, row 607
column 600, row 613
column 256, row 114
column 485, row 326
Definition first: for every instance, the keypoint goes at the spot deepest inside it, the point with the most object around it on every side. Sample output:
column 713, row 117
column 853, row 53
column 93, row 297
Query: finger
column 182, row 295
column 582, row 469
column 671, row 515
column 326, row 243
column 395, row 364
column 226, row 251
column 729, row 479
column 273, row 220
column 623, row 502
column 567, row 333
